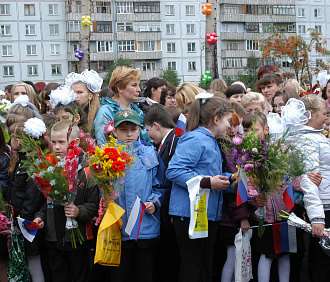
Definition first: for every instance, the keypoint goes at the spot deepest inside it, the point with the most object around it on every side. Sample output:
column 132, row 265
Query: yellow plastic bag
column 108, row 244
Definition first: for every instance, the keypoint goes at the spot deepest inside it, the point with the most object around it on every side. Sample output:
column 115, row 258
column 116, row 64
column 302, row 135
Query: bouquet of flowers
column 270, row 164
column 5, row 213
column 55, row 177
column 4, row 107
column 108, row 165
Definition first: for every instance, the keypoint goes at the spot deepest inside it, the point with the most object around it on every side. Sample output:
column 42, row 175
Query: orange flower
column 51, row 159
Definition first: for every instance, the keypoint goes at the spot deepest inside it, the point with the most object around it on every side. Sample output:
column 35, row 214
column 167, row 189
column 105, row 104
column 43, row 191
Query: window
column 146, row 7
column 148, row 66
column 191, row 29
column 318, row 28
column 103, row 66
column 190, row 10
column 103, row 27
column 125, row 7
column 124, row 27
column 286, row 64
column 8, row 71
column 32, row 70
column 284, row 10
column 126, row 45
column 7, row 50
column 170, row 29
column 191, row 47
column 231, row 28
column 104, row 46
column 231, row 46
column 291, row 27
column 31, row 50
column 252, row 27
column 252, row 45
column 30, row 29
column 102, row 7
column 74, row 26
column 29, row 10
column 169, row 10
column 318, row 62
column 4, row 9
column 5, row 29
column 317, row 13
column 171, row 65
column 56, row 69
column 73, row 66
column 301, row 13
column 55, row 49
column 301, row 29
column 232, row 63
column 74, row 46
column 74, row 6
column 191, row 66
column 53, row 9
column 170, row 47
column 231, row 9
column 149, row 26
column 147, row 46
column 54, row 29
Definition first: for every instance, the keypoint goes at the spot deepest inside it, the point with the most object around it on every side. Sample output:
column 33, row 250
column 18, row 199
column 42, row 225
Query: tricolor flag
column 180, row 126
column 288, row 197
column 29, row 228
column 284, row 238
column 135, row 219
column 242, row 195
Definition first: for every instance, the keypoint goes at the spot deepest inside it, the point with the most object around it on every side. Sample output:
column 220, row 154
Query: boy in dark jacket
column 68, row 263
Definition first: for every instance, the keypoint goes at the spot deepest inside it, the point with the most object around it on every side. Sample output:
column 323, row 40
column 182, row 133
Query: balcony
column 256, row 18
column 145, row 75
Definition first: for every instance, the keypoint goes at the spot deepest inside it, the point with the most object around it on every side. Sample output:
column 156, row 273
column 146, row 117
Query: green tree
column 249, row 75
column 120, row 62
column 171, row 76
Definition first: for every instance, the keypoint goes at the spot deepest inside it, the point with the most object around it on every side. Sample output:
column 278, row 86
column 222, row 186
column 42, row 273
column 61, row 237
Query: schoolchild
column 198, row 154
column 145, row 180
column 66, row 262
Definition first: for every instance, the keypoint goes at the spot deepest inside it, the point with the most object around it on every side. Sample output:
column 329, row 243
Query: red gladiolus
column 118, row 166
column 51, row 159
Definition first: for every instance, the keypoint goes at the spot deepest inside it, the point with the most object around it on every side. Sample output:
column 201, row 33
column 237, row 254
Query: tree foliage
column 171, row 76
column 249, row 75
column 120, row 62
column 298, row 51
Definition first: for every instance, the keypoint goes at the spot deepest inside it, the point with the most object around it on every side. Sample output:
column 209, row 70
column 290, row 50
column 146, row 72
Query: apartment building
column 244, row 24
column 32, row 41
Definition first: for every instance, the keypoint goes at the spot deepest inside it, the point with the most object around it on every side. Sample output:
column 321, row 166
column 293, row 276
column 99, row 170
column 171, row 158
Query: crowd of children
column 164, row 162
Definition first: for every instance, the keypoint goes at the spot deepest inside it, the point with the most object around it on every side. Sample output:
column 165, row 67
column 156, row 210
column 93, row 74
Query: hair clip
column 223, row 107
column 203, row 101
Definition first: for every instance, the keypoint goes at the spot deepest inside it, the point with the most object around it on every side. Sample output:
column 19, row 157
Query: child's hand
column 260, row 200
column 71, row 210
column 219, row 182
column 40, row 222
column 245, row 225
column 315, row 177
column 150, row 207
column 318, row 230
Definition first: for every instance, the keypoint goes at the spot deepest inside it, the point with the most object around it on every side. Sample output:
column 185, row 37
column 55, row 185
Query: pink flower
column 248, row 167
column 237, row 140
column 255, row 150
column 109, row 127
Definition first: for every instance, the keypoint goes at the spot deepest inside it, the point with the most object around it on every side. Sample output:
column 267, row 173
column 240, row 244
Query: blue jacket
column 107, row 112
column 197, row 153
column 145, row 179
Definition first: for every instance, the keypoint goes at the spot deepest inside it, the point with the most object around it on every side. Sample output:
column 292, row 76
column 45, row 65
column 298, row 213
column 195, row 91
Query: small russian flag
column 135, row 219
column 288, row 197
column 284, row 238
column 242, row 195
column 29, row 228
column 181, row 125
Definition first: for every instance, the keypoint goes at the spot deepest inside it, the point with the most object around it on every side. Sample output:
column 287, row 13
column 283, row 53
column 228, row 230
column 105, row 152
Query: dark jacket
column 4, row 178
column 24, row 194
column 87, row 201
column 168, row 148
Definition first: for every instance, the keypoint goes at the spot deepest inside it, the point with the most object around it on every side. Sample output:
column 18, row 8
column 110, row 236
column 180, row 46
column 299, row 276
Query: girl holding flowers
column 24, row 194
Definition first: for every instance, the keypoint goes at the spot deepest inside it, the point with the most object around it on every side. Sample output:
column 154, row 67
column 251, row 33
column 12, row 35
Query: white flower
column 23, row 100
column 38, row 161
column 50, row 169
column 5, row 105
column 63, row 94
column 34, row 127
column 52, row 182
column 2, row 93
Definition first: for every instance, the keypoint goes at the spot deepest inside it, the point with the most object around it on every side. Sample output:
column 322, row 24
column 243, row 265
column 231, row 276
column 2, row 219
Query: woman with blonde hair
column 218, row 85
column 124, row 83
column 295, row 85
column 186, row 93
column 22, row 88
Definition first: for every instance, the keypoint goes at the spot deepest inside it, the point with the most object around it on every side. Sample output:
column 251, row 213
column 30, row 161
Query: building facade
column 32, row 41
